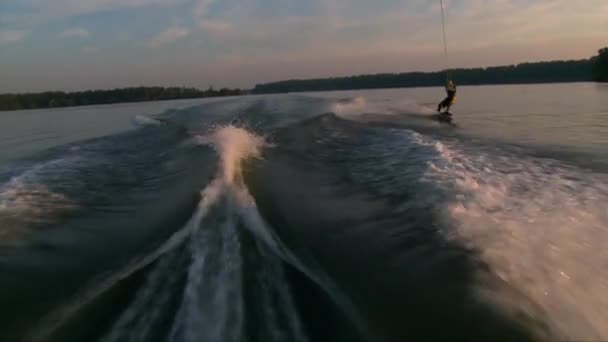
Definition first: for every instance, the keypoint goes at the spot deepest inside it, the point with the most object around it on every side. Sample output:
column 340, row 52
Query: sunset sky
column 82, row 44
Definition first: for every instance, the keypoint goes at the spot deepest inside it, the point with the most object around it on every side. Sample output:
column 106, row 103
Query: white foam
column 233, row 144
column 31, row 202
column 24, row 202
column 361, row 105
column 540, row 225
column 409, row 106
column 143, row 120
column 358, row 105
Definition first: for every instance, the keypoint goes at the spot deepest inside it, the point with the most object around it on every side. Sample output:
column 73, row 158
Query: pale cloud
column 333, row 30
column 11, row 36
column 90, row 50
column 202, row 7
column 76, row 32
column 341, row 38
column 219, row 26
column 39, row 12
column 502, row 23
column 342, row 27
column 170, row 35
column 75, row 7
column 216, row 28
column 124, row 36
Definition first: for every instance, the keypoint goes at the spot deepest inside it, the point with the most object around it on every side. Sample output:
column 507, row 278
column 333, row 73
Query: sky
column 91, row 44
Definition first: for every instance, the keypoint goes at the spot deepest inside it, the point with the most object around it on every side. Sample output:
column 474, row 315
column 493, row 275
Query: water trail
column 277, row 301
column 539, row 224
column 257, row 225
column 102, row 284
column 212, row 307
column 137, row 322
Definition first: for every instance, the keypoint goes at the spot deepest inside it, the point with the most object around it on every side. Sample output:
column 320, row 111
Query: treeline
column 601, row 66
column 595, row 68
column 92, row 97
column 542, row 72
column 592, row 69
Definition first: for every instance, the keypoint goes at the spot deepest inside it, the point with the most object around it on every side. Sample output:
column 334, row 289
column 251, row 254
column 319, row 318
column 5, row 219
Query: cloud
column 77, row 7
column 326, row 28
column 124, row 36
column 216, row 28
column 34, row 13
column 76, row 32
column 170, row 35
column 11, row 36
column 90, row 49
column 502, row 23
column 201, row 7
column 354, row 36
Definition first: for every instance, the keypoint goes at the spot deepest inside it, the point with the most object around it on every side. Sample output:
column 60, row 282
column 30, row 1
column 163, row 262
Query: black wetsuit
column 449, row 100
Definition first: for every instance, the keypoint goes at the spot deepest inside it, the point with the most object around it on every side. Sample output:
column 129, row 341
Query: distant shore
column 525, row 73
column 57, row 99
column 582, row 70
column 591, row 69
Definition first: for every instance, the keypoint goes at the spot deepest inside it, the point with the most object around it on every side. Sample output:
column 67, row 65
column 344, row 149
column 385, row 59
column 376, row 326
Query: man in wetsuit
column 450, row 88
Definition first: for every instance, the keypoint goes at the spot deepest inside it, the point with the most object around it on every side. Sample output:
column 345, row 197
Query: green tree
column 601, row 65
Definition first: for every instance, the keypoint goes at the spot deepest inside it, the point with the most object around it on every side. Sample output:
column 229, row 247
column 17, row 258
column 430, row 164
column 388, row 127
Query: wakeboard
column 443, row 117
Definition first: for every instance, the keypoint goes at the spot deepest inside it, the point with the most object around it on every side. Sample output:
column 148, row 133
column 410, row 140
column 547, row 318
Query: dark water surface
column 340, row 216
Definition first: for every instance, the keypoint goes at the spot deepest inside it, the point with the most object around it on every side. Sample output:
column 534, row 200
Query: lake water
column 336, row 216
